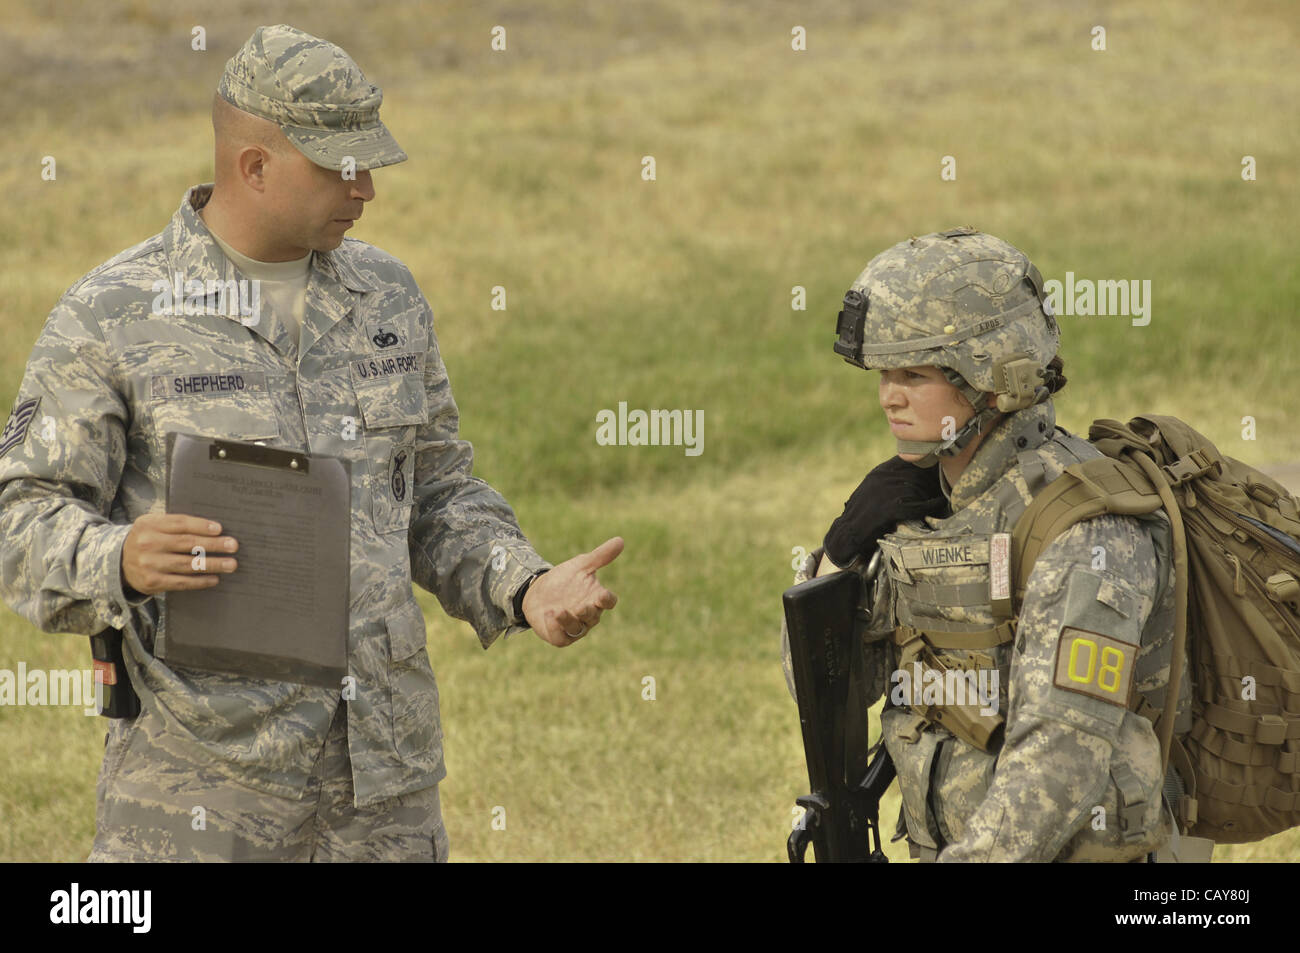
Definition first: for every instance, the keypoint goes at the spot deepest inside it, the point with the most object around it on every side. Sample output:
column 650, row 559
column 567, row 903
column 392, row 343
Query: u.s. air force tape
column 381, row 366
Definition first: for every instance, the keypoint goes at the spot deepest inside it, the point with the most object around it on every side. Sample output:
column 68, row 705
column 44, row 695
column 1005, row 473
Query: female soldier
column 1050, row 760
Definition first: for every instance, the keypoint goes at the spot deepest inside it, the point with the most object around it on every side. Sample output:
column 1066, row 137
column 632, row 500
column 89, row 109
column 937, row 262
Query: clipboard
column 282, row 615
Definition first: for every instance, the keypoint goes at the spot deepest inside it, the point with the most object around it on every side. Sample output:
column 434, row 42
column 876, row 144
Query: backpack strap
column 1132, row 486
column 1165, row 724
column 1084, row 490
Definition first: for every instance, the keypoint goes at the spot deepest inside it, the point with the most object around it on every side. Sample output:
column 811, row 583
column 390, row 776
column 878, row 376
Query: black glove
column 892, row 492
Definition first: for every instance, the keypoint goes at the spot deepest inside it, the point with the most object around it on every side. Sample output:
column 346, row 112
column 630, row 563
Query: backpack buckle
column 1189, row 467
column 1131, row 802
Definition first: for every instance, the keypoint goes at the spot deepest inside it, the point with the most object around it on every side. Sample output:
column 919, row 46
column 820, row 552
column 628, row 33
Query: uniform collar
column 1024, row 430
column 194, row 253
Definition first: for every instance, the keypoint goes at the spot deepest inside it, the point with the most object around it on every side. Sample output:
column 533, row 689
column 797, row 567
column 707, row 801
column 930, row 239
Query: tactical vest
column 948, row 582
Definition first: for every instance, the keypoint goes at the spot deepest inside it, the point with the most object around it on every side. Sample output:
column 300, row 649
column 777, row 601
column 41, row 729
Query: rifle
column 841, row 815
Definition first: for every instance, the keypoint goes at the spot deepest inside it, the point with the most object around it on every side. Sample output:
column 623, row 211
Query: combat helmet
column 965, row 302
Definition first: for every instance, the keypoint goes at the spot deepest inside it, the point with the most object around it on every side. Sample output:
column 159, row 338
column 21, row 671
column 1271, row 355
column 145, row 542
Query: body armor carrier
column 949, row 600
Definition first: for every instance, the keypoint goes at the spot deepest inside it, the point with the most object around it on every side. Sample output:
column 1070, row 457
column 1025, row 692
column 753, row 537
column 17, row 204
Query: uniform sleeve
column 465, row 543
column 1080, row 629
column 61, row 460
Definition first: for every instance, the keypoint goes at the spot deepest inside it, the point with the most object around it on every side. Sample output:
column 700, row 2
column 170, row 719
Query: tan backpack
column 1236, row 553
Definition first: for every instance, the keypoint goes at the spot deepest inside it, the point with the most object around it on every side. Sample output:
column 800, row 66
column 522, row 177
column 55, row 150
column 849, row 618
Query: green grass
column 774, row 169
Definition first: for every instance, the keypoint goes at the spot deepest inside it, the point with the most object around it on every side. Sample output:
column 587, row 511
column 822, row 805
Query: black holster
column 120, row 699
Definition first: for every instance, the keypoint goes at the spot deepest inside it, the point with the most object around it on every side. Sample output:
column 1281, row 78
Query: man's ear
column 252, row 164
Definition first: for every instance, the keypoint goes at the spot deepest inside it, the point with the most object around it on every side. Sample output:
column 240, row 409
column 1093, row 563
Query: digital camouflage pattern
column 971, row 303
column 113, row 372
column 960, row 299
column 146, row 809
column 1064, row 753
column 315, row 93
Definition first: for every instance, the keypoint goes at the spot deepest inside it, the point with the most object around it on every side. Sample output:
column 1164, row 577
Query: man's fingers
column 170, row 582
column 185, row 565
column 160, row 542
column 604, row 554
column 173, row 583
column 606, row 599
column 181, row 523
column 568, row 622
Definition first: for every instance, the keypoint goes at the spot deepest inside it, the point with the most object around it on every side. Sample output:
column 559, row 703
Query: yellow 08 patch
column 1095, row 665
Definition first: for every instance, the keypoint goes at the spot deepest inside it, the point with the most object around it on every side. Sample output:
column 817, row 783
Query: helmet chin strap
column 934, row 449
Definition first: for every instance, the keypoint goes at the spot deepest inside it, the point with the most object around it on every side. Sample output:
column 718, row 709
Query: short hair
column 234, row 128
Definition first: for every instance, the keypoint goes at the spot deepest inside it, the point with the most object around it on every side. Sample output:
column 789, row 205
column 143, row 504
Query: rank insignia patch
column 19, row 423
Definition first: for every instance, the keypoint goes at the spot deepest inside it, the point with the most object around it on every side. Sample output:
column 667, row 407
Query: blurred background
column 669, row 735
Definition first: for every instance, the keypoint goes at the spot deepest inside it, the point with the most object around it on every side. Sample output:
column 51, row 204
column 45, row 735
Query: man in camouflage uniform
column 338, row 358
column 1053, row 762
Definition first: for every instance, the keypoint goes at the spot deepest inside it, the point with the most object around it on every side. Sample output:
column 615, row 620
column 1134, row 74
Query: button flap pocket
column 406, row 632
column 390, row 390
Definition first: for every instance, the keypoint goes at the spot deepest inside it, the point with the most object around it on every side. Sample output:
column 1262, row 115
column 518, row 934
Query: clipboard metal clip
column 259, row 456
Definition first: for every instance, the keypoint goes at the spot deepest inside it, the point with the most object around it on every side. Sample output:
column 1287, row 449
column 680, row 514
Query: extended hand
column 565, row 604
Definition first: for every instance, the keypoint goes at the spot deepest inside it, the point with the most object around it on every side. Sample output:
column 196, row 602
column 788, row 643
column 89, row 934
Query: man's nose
column 363, row 187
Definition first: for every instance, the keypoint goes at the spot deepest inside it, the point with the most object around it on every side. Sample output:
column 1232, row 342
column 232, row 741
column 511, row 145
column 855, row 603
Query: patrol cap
column 315, row 93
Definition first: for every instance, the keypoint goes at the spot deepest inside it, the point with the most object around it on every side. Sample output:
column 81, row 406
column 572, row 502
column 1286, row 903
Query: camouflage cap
column 315, row 93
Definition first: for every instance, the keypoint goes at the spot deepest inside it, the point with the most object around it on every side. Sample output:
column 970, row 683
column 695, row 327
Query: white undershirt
column 282, row 285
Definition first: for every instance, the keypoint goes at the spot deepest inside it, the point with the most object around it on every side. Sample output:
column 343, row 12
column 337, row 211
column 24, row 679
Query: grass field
column 774, row 168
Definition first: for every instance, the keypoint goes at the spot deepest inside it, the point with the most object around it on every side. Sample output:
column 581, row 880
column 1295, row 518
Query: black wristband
column 518, row 604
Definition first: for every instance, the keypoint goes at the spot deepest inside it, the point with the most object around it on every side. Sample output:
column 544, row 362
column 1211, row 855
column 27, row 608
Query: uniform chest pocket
column 232, row 404
column 393, row 408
